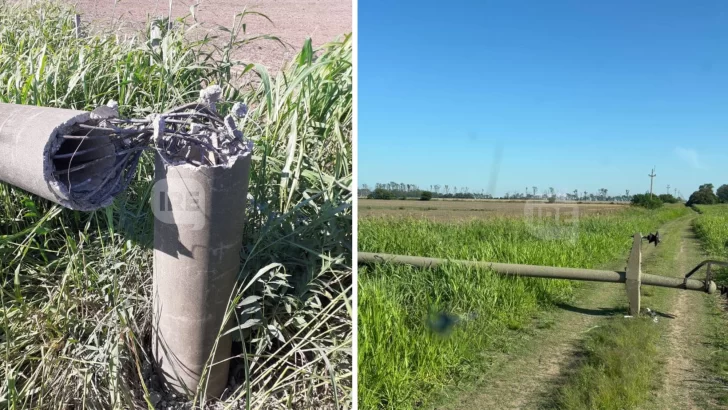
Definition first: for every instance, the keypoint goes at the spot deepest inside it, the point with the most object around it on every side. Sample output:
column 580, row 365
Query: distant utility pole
column 668, row 189
column 652, row 177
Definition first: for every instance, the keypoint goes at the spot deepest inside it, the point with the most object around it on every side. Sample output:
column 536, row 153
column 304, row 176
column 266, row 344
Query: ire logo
column 180, row 202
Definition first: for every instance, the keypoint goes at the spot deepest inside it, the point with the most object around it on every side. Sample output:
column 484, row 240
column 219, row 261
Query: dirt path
column 684, row 376
column 524, row 378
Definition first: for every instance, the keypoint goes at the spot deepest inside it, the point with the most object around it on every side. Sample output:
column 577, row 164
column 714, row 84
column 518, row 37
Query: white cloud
column 690, row 156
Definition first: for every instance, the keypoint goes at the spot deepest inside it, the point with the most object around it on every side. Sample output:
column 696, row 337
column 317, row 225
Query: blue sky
column 580, row 95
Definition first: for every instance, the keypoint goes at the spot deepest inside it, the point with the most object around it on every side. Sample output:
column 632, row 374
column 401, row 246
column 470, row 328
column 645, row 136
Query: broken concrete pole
column 48, row 152
column 83, row 159
column 634, row 275
column 198, row 232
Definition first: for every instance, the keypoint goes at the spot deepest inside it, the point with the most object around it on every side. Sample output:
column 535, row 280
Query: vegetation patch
column 703, row 196
column 619, row 367
column 711, row 227
column 647, row 201
column 422, row 330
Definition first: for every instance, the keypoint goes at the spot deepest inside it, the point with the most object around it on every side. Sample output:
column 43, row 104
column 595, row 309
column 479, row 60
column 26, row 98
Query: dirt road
column 528, row 376
column 293, row 20
column 684, row 377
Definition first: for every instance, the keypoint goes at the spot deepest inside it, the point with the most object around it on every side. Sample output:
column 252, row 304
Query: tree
column 703, row 196
column 646, row 201
column 425, row 196
column 381, row 193
column 668, row 199
column 722, row 193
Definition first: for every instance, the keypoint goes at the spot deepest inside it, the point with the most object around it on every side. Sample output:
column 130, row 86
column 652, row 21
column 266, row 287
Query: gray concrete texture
column 550, row 272
column 31, row 136
column 197, row 240
column 77, row 158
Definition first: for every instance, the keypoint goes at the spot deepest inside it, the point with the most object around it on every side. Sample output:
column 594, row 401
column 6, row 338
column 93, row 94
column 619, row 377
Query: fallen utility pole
column 633, row 277
column 82, row 160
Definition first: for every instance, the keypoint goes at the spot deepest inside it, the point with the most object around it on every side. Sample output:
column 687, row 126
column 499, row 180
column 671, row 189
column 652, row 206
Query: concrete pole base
column 634, row 275
column 198, row 232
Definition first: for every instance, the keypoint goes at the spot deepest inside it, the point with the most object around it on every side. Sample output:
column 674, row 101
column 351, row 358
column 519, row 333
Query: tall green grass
column 75, row 288
column 402, row 362
column 618, row 370
column 711, row 227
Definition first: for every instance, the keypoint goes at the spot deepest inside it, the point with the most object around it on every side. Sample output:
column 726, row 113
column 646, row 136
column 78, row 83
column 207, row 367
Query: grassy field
column 711, row 227
column 404, row 361
column 75, row 288
column 467, row 209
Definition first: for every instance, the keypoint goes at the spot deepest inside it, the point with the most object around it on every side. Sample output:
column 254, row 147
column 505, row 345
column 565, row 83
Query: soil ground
column 463, row 210
column 540, row 361
column 293, row 21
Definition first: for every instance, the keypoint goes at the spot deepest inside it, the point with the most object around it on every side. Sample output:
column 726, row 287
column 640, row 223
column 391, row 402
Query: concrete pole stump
column 198, row 232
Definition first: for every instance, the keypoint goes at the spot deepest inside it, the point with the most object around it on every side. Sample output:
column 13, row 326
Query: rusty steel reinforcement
column 592, row 275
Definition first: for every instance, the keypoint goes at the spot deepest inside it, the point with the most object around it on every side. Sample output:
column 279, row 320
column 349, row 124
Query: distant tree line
column 396, row 190
column 649, row 201
column 703, row 196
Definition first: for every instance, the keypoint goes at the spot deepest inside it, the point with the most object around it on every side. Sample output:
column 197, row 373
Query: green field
column 75, row 287
column 403, row 362
column 711, row 227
